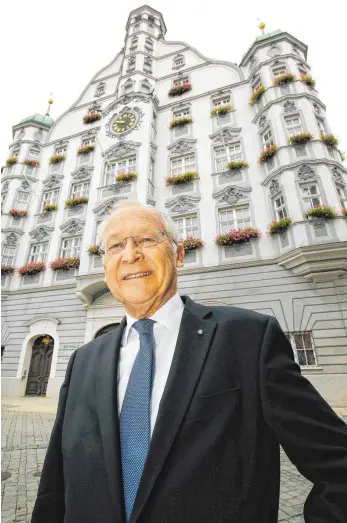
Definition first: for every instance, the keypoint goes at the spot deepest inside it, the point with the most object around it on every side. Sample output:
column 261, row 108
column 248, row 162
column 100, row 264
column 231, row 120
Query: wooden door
column 40, row 367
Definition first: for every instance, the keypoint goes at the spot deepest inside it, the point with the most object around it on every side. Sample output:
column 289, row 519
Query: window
column 256, row 82
column 280, row 208
column 278, row 71
column 151, row 18
column 88, row 141
column 145, row 87
column 234, row 218
column 131, row 63
column 101, row 89
column 70, row 247
column 224, row 155
column 7, row 255
column 62, row 148
column 178, row 61
column 321, row 125
column 80, row 189
column 183, row 165
column 121, row 166
column 310, row 196
column 15, row 153
column 3, row 199
column 21, row 201
column 2, row 351
column 149, row 42
column 136, row 28
column 303, row 348
column 34, row 152
column 137, row 18
column 151, row 179
column 187, row 226
column 294, row 125
column 342, row 197
column 50, row 198
column 221, row 101
column 181, row 81
column 181, row 130
column 302, row 69
column 38, row 252
column 128, row 87
column 150, row 28
column 267, row 137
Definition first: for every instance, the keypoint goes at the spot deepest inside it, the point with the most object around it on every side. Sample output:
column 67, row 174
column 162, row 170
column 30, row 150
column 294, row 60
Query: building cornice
column 277, row 58
column 275, row 38
column 284, row 98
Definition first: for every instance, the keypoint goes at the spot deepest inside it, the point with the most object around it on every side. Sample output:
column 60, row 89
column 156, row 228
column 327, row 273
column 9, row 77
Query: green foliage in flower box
column 126, row 177
column 65, row 264
column 179, row 179
column 237, row 236
column 280, row 226
column 86, row 149
column 267, row 154
column 285, row 79
column 221, row 109
column 31, row 163
column 179, row 122
column 50, row 207
column 329, row 139
column 92, row 117
column 76, row 201
column 18, row 213
column 7, row 269
column 32, row 268
column 57, row 158
column 179, row 89
column 301, row 138
column 11, row 161
column 234, row 166
column 344, row 212
column 308, row 80
column 321, row 211
column 94, row 250
column 191, row 243
column 256, row 95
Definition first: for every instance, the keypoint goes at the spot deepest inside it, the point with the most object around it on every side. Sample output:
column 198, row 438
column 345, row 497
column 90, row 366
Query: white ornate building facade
column 299, row 276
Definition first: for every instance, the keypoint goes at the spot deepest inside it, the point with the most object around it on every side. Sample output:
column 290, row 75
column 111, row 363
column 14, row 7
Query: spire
column 261, row 26
column 50, row 101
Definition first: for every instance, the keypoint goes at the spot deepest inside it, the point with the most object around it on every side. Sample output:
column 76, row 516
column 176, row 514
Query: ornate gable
column 232, row 195
column 72, row 226
column 105, row 208
column 305, row 172
column 225, row 135
column 53, row 181
column 125, row 99
column 121, row 149
column 41, row 233
column 274, row 186
column 182, row 146
column 337, row 176
column 82, row 173
column 182, row 204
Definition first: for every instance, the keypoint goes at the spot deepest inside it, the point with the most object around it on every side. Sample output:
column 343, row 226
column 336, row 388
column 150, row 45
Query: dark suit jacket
column 234, row 393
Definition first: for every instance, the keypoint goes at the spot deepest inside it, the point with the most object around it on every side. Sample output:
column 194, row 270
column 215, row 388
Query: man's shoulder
column 221, row 313
column 93, row 348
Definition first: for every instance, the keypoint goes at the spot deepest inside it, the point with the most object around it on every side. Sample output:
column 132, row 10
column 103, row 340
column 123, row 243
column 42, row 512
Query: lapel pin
column 200, row 331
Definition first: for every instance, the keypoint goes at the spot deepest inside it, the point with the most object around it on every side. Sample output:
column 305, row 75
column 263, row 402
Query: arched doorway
column 107, row 328
column 40, row 366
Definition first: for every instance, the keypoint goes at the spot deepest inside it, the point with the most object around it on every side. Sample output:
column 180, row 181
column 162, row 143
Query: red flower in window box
column 86, row 149
column 235, row 166
column 256, row 95
column 308, row 80
column 301, row 138
column 92, row 117
column 177, row 90
column 191, row 243
column 221, row 109
column 279, row 227
column 344, row 212
column 32, row 268
column 57, row 158
column 321, row 211
column 329, row 139
column 7, row 269
column 179, row 179
column 94, row 250
column 18, row 213
column 79, row 200
column 285, row 79
column 267, row 154
column 237, row 236
column 31, row 163
column 64, row 264
column 11, row 161
column 126, row 177
column 179, row 122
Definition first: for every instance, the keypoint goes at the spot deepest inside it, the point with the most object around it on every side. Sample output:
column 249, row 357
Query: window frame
column 53, row 200
column 192, row 228
column 267, row 142
column 279, row 70
column 130, row 166
column 75, row 249
column 84, row 192
column 280, row 209
column 231, row 154
column 17, row 205
column 310, row 197
column 186, row 166
column 342, row 198
column 293, row 129
column 235, row 219
column 7, row 255
column 181, row 81
column 41, row 252
column 291, row 338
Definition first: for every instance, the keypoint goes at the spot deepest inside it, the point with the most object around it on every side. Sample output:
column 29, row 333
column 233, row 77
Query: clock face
column 124, row 122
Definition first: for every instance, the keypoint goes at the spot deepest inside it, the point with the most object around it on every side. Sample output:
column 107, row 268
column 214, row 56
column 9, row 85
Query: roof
column 41, row 119
column 268, row 35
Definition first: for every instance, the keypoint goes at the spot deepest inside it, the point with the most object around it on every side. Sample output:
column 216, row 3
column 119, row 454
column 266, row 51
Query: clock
column 124, row 122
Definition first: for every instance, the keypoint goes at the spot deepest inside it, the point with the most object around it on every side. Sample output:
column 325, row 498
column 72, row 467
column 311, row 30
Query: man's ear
column 180, row 255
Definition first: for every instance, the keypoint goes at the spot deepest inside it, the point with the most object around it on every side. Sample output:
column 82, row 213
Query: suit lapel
column 190, row 354
column 107, row 400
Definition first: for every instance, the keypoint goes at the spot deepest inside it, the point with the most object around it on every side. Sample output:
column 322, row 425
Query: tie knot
column 144, row 326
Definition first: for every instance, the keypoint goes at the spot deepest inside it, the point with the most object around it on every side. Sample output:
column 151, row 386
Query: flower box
column 285, row 79
column 301, row 138
column 279, row 227
column 86, row 149
column 329, row 139
column 50, row 207
column 234, row 166
column 308, row 80
column 256, row 95
column 7, row 269
column 344, row 212
column 79, row 200
column 57, row 158
column 221, row 109
column 126, row 177
column 92, row 117
column 179, row 179
column 31, row 163
column 94, row 250
column 321, row 211
column 191, row 243
column 65, row 264
column 237, row 236
column 179, row 122
column 11, row 161
column 267, row 154
column 32, row 268
column 177, row 90
column 18, row 213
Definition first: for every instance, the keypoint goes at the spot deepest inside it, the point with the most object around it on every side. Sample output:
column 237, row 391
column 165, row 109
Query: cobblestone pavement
column 25, row 436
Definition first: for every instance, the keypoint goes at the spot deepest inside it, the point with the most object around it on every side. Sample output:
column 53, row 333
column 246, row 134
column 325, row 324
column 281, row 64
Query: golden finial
column 262, row 26
column 50, row 101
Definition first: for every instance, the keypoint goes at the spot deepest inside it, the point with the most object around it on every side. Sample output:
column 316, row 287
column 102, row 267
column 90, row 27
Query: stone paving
column 25, row 435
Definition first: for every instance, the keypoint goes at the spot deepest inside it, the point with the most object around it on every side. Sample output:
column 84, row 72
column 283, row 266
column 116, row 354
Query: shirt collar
column 169, row 315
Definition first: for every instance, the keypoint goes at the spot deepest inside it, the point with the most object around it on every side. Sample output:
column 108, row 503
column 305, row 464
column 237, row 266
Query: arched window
column 128, row 87
column 145, row 86
column 100, row 89
column 178, row 61
column 274, row 51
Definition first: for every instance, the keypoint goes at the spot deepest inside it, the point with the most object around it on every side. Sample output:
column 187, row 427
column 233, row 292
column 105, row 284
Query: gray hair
column 169, row 224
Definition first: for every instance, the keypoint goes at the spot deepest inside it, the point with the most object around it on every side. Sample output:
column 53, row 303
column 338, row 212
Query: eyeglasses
column 141, row 242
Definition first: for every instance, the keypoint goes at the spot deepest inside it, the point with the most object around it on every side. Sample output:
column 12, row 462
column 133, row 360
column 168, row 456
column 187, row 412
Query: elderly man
column 177, row 416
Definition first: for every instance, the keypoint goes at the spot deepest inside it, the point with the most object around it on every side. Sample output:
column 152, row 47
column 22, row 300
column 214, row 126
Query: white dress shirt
column 167, row 323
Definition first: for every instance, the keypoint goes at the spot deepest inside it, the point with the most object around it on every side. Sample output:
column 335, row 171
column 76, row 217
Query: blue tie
column 135, row 416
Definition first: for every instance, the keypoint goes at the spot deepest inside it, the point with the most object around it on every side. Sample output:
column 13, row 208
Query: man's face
column 150, row 291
